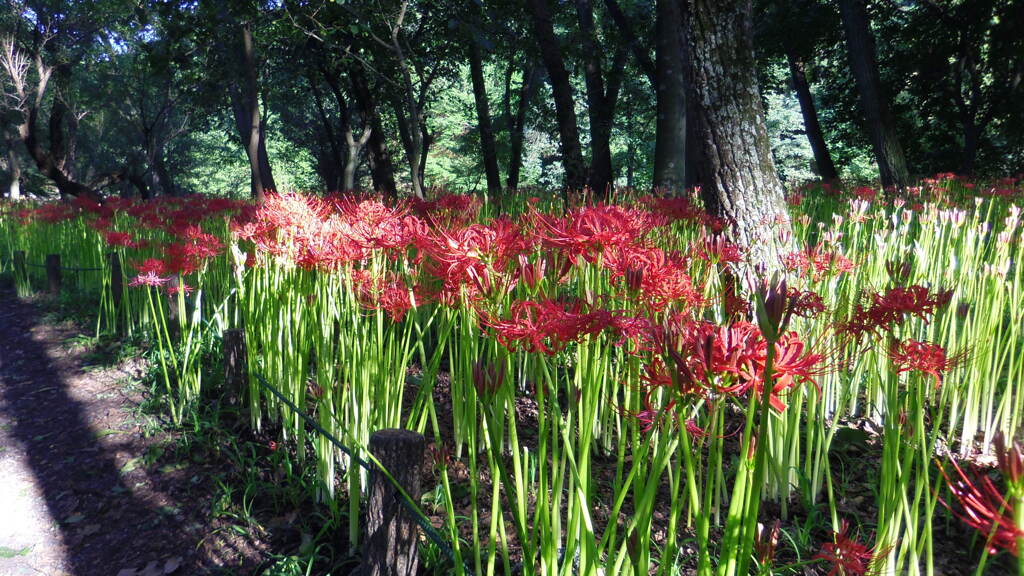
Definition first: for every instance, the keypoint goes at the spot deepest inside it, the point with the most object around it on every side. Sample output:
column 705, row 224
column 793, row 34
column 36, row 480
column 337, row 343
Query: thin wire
column 402, row 497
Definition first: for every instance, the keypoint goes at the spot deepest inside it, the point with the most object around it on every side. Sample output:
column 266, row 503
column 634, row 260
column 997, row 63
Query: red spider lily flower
column 847, row 556
column 925, row 357
column 488, row 379
column 150, row 278
column 152, row 266
column 639, row 331
column 793, row 365
column 817, row 263
column 983, row 507
column 675, row 208
column 717, row 248
column 893, row 306
column 383, row 293
column 122, row 239
column 806, row 304
column 1010, row 458
column 173, row 289
column 586, row 232
column 546, row 326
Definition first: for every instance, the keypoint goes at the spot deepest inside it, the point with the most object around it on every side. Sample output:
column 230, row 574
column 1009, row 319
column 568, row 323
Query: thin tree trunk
column 250, row 125
column 822, row 158
column 860, row 44
column 600, row 112
column 969, row 155
column 483, row 116
column 670, row 130
column 332, row 162
column 740, row 182
column 531, row 78
column 568, row 131
column 382, row 170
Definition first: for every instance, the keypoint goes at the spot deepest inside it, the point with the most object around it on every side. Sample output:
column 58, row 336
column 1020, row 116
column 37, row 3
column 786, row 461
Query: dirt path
column 83, row 490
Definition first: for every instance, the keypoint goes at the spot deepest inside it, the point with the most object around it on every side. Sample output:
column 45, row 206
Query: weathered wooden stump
column 20, row 273
column 236, row 371
column 53, row 279
column 116, row 278
column 390, row 548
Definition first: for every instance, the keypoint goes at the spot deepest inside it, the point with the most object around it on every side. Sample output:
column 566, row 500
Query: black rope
column 419, row 517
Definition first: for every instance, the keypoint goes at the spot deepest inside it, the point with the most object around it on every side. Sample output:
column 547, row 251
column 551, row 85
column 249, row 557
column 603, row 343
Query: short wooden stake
column 116, row 278
column 53, row 274
column 20, row 273
column 173, row 312
column 392, row 537
column 236, row 369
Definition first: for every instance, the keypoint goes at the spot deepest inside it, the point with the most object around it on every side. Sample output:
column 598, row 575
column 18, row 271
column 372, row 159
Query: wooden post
column 116, row 278
column 53, row 274
column 236, row 368
column 391, row 532
column 173, row 312
column 20, row 274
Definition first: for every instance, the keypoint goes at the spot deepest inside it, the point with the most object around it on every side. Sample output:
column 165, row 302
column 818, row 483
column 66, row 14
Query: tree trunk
column 330, row 162
column 250, row 123
column 598, row 107
column 670, row 130
column 972, row 137
column 551, row 55
column 382, row 171
column 483, row 116
column 14, row 170
column 860, row 44
column 822, row 158
column 740, row 183
column 531, row 78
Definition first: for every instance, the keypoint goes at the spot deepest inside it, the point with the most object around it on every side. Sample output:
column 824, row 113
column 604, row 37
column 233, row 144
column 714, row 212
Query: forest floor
column 87, row 488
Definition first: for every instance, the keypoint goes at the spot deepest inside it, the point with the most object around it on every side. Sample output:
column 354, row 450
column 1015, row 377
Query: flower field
column 609, row 385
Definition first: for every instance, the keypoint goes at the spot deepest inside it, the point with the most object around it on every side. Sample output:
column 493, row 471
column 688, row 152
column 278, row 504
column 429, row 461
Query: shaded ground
column 84, row 488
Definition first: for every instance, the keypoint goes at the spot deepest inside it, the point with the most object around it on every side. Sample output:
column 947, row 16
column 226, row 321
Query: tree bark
column 670, row 130
column 860, row 44
column 483, row 116
column 599, row 109
column 14, row 171
column 740, row 183
column 822, row 158
column 382, row 170
column 568, row 131
column 531, row 78
column 250, row 123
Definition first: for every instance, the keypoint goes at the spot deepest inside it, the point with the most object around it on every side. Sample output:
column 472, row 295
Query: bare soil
column 83, row 488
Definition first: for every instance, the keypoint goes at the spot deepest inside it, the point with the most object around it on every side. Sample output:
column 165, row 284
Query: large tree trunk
column 382, row 171
column 670, row 130
column 822, row 158
column 250, row 123
column 531, row 78
column 860, row 44
column 599, row 109
column 14, row 171
column 483, row 116
column 739, row 179
column 568, row 131
column 329, row 159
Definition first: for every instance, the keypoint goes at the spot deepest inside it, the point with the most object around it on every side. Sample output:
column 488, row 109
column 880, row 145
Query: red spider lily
column 847, row 556
column 675, row 208
column 893, row 306
column 150, row 278
column 152, row 266
column 984, row 508
column 122, row 239
column 806, row 304
column 925, row 357
column 586, row 232
column 1010, row 458
column 173, row 289
column 817, row 263
column 717, row 248
column 488, row 379
column 448, row 209
column 546, row 326
column 793, row 365
column 388, row 294
column 640, row 331
column 659, row 278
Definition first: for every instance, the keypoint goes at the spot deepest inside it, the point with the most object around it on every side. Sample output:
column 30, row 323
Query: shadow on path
column 106, row 513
